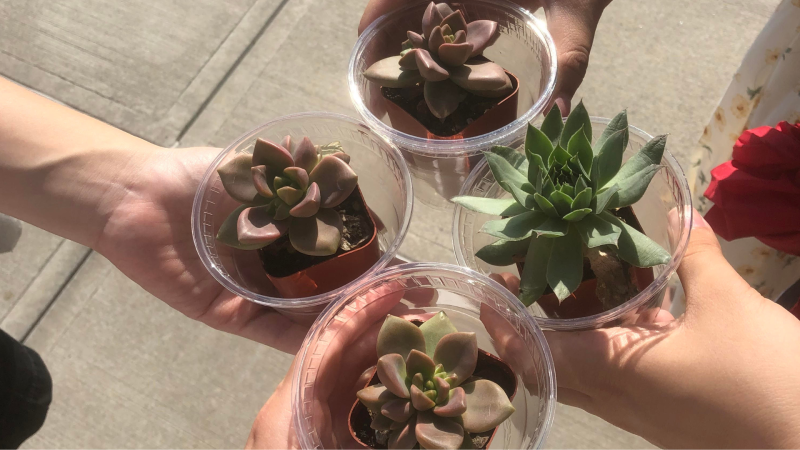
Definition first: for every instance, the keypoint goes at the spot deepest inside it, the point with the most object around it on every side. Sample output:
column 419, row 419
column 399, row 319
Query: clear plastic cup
column 440, row 167
column 384, row 181
column 668, row 190
column 341, row 345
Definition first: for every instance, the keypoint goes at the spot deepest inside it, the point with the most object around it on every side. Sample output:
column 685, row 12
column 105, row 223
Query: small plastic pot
column 383, row 179
column 668, row 191
column 338, row 355
column 439, row 167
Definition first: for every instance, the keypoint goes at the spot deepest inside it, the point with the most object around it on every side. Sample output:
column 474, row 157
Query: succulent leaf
column 432, row 18
column 319, row 235
column 609, row 160
column 237, row 179
column 399, row 410
column 454, row 406
column 442, row 97
column 503, row 170
column 434, row 329
column 298, row 175
column 483, row 78
column 420, row 363
column 256, row 227
column 582, row 200
column 435, row 432
column 442, row 390
column 455, row 54
column 581, row 147
column 336, row 180
column 514, row 228
column 287, row 143
column 562, row 202
column 272, row 155
column 229, row 235
column 259, row 174
column 408, row 61
column 544, row 204
column 564, row 273
column 456, row 21
column 495, row 206
column 419, row 400
column 405, row 437
column 552, row 125
column 436, row 40
column 429, row 69
column 601, row 201
column 502, row 252
column 552, row 227
column 538, row 143
column 305, row 155
column 515, row 158
column 281, row 210
column 633, row 188
column 521, row 197
column 381, row 422
column 388, row 73
column 375, row 396
column 458, row 354
column 533, row 281
column 309, row 205
column 399, row 336
column 595, row 232
column 416, row 39
column 487, row 406
column 578, row 118
column 577, row 215
column 290, row 195
column 650, row 154
column 481, row 34
column 636, row 248
column 618, row 123
column 392, row 373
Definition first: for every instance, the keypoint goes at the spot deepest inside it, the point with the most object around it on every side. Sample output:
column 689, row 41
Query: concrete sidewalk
column 129, row 372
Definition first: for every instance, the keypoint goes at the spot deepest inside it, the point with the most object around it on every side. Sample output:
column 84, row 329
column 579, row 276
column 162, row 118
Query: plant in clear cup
column 569, row 225
column 440, row 85
column 424, row 391
column 302, row 211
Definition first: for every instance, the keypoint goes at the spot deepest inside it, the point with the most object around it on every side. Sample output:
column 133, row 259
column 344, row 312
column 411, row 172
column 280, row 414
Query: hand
column 725, row 374
column 148, row 237
column 572, row 23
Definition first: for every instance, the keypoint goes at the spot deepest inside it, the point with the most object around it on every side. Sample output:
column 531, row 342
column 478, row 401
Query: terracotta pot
column 334, row 272
column 488, row 367
column 499, row 116
column 584, row 302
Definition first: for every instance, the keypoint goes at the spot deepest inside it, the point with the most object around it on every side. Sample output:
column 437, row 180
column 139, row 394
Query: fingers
column 572, row 25
column 708, row 279
column 377, row 8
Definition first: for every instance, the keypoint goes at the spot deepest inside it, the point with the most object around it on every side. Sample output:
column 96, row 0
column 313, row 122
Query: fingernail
column 698, row 221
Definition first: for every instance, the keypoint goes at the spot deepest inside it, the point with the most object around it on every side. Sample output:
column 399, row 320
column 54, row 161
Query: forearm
column 59, row 169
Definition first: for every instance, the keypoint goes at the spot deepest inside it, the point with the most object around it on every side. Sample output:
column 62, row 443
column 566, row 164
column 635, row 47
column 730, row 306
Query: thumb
column 572, row 25
column 377, row 8
column 708, row 279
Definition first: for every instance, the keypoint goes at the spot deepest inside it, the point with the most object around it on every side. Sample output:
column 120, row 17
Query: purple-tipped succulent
column 446, row 57
column 290, row 189
column 426, row 394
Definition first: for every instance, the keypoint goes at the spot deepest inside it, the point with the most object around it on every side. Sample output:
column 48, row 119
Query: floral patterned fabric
column 764, row 91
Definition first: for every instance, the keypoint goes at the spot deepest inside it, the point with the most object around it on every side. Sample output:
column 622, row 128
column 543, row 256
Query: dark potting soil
column 280, row 259
column 488, row 367
column 412, row 100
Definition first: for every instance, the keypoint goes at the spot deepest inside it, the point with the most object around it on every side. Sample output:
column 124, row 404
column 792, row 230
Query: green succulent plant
column 427, row 394
column 287, row 189
column 446, row 58
column 564, row 192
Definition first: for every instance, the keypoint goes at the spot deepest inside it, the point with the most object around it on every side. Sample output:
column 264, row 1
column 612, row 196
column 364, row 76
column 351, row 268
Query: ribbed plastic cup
column 382, row 176
column 341, row 345
column 668, row 191
column 440, row 167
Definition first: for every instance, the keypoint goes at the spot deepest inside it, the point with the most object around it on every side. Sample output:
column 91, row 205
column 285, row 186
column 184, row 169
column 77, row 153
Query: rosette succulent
column 564, row 194
column 427, row 394
column 287, row 188
column 446, row 57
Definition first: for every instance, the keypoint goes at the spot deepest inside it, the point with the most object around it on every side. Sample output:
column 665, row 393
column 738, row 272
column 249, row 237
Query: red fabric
column 757, row 193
